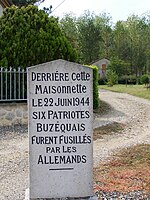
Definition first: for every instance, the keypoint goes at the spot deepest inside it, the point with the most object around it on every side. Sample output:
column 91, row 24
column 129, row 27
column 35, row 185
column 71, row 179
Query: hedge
column 95, row 87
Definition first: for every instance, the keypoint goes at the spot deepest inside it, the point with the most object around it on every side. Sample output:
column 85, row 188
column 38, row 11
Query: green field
column 136, row 90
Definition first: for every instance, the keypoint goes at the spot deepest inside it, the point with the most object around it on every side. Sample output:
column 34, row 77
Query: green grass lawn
column 136, row 90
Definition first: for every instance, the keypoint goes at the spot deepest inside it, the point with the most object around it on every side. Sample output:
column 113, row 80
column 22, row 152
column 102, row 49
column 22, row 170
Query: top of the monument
column 59, row 62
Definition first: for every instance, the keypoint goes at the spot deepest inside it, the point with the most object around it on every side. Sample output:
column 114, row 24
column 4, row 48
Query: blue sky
column 118, row 9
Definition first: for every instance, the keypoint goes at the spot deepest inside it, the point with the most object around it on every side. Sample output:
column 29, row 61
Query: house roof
column 5, row 3
column 100, row 60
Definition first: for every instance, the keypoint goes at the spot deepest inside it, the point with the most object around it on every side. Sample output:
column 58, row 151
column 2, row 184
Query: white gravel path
column 133, row 111
column 126, row 109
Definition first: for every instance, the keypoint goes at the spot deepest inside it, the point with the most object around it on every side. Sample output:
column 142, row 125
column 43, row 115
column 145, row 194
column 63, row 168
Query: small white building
column 4, row 4
column 102, row 67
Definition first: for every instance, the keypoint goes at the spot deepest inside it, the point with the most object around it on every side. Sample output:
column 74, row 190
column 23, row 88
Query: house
column 4, row 4
column 102, row 67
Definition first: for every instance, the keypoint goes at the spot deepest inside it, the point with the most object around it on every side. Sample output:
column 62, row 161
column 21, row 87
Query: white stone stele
column 86, row 198
column 67, row 171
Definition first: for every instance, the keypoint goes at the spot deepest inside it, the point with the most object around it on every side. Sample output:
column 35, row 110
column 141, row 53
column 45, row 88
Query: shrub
column 122, row 80
column 129, row 79
column 95, row 87
column 145, row 79
column 112, row 78
column 102, row 81
column 28, row 36
column 119, row 66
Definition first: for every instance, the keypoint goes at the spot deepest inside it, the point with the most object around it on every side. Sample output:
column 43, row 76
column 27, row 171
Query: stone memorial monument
column 60, row 106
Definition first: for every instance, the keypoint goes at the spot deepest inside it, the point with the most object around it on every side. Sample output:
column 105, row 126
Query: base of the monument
column 86, row 198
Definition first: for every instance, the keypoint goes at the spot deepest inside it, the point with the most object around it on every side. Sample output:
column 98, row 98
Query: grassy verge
column 128, row 172
column 136, row 90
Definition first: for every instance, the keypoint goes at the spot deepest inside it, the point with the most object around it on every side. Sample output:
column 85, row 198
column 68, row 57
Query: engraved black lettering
column 40, row 160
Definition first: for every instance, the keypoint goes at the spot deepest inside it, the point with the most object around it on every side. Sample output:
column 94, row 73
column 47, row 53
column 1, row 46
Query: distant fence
column 13, row 84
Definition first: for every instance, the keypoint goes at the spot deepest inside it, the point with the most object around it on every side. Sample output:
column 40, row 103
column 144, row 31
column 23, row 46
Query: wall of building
column 13, row 113
column 102, row 67
column 1, row 10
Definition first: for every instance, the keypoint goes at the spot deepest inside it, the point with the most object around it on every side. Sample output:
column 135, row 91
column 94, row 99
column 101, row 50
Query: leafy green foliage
column 119, row 66
column 29, row 37
column 112, row 78
column 131, row 43
column 127, row 79
column 90, row 34
column 145, row 79
column 121, row 46
column 95, row 37
column 69, row 26
column 95, row 87
column 20, row 3
column 104, row 23
column 102, row 81
column 89, row 38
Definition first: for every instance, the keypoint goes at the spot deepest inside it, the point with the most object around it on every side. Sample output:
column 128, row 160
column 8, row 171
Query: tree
column 20, row 3
column 94, row 37
column 90, row 34
column 131, row 43
column 69, row 26
column 103, row 21
column 89, row 38
column 145, row 79
column 28, row 37
column 139, row 41
column 146, row 20
column 119, row 66
column 111, row 78
column 121, row 45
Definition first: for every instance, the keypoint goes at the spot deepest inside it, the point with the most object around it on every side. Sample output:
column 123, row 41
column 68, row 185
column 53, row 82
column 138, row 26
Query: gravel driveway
column 126, row 109
column 132, row 111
